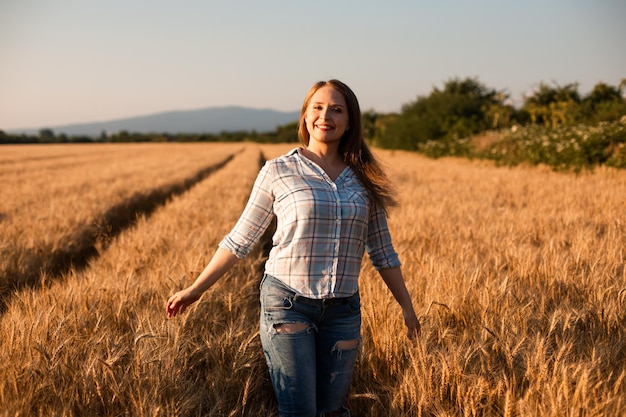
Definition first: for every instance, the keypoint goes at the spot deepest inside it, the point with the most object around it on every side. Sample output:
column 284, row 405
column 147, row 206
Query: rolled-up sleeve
column 255, row 218
column 379, row 245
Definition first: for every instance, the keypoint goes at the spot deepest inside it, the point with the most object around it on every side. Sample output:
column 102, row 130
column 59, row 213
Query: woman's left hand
column 412, row 324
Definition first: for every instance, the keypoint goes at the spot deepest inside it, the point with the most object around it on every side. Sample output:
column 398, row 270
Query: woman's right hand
column 178, row 303
column 221, row 262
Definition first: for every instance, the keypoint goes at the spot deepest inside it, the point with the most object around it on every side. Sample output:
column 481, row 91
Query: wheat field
column 517, row 274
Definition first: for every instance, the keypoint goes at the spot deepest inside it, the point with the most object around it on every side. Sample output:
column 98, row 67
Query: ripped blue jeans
column 311, row 369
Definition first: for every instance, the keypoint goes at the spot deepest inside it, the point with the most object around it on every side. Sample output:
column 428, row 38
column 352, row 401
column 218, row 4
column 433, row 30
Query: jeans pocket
column 277, row 302
column 274, row 295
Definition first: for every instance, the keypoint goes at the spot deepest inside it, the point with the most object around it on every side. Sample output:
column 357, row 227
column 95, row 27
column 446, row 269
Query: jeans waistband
column 313, row 301
column 325, row 301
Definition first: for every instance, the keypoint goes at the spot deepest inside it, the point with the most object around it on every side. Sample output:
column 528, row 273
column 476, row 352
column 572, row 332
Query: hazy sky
column 67, row 61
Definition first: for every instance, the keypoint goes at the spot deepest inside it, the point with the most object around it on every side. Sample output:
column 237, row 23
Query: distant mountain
column 208, row 120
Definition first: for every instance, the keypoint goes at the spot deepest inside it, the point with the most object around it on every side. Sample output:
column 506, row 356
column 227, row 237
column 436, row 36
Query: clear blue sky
column 68, row 61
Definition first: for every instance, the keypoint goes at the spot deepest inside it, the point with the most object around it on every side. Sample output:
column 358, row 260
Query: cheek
column 309, row 124
column 345, row 123
column 342, row 119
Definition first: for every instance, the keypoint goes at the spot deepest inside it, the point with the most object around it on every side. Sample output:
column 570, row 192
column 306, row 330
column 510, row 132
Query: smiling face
column 326, row 115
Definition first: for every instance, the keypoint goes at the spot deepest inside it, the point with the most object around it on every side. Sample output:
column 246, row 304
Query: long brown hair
column 352, row 145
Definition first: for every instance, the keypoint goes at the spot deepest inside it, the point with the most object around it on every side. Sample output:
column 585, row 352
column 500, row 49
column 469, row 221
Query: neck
column 326, row 158
column 326, row 152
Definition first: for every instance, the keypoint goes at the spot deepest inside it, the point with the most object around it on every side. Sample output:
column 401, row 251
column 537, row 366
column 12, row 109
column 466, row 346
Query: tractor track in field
column 75, row 250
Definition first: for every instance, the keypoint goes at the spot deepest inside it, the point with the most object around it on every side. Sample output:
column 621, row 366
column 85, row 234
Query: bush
column 562, row 147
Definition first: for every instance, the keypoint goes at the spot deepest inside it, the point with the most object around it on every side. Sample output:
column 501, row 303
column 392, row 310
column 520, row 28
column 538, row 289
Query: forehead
column 328, row 95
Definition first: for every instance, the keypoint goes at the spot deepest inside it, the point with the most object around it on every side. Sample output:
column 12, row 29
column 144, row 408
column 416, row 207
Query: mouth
column 324, row 127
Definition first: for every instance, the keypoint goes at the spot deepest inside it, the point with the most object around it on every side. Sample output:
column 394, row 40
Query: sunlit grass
column 518, row 276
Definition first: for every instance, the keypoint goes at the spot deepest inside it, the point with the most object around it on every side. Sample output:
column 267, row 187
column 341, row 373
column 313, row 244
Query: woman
column 330, row 199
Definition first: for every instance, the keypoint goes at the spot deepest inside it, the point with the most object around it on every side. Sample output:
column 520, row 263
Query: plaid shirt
column 322, row 229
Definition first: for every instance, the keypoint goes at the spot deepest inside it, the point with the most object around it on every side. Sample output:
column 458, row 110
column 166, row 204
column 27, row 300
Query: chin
column 327, row 139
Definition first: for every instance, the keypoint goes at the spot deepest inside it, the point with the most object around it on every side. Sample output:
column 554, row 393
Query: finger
column 413, row 332
column 172, row 298
column 172, row 308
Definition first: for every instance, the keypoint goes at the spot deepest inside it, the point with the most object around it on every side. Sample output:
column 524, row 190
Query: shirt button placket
column 337, row 229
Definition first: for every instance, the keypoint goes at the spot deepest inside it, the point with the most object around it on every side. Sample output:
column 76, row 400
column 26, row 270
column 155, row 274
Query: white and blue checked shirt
column 322, row 227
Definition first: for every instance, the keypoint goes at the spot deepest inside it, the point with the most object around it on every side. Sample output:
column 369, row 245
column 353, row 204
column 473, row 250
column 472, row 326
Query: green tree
column 604, row 103
column 462, row 108
column 46, row 135
column 287, row 133
column 553, row 105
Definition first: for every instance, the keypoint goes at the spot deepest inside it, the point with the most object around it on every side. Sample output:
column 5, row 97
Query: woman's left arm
column 395, row 282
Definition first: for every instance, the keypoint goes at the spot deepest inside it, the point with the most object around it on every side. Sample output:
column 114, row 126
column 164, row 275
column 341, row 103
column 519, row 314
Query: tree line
column 287, row 133
column 467, row 107
column 460, row 109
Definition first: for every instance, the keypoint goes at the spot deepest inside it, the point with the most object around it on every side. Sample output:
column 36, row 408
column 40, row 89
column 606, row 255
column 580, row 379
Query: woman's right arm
column 221, row 262
column 251, row 225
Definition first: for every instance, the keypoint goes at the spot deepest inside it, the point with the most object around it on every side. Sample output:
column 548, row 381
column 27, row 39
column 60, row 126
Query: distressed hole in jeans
column 286, row 328
column 347, row 344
